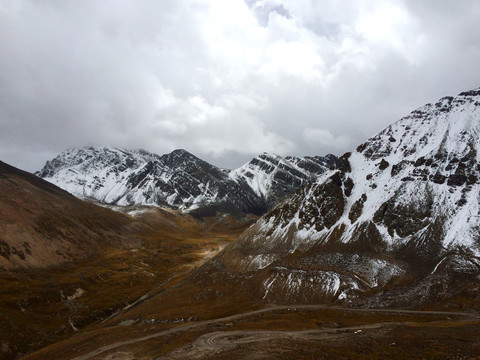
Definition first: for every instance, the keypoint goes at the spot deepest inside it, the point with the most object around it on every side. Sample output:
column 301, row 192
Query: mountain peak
column 137, row 177
column 266, row 154
column 178, row 179
column 474, row 92
column 398, row 220
column 451, row 126
column 180, row 154
column 273, row 177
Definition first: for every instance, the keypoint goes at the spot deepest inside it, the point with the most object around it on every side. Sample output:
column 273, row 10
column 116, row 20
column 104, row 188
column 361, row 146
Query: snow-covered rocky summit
column 137, row 177
column 178, row 179
column 398, row 220
column 272, row 177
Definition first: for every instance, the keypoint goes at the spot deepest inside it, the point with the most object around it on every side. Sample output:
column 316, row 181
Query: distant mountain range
column 397, row 223
column 180, row 180
column 394, row 223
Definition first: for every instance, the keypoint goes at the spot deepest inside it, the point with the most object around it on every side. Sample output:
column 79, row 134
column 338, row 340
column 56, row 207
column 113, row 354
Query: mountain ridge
column 180, row 179
column 396, row 221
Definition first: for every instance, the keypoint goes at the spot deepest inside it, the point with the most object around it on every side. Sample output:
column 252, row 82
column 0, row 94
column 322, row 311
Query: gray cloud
column 263, row 9
column 224, row 80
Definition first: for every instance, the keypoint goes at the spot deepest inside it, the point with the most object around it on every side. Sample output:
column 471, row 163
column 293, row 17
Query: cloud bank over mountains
column 225, row 80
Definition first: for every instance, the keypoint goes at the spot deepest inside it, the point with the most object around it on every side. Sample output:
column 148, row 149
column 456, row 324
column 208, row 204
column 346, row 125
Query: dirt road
column 220, row 339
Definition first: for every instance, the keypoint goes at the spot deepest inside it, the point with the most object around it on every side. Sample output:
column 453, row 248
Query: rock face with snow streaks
column 272, row 177
column 396, row 223
column 180, row 179
column 120, row 177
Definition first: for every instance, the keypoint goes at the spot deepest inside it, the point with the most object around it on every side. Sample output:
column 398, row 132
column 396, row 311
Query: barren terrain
column 288, row 332
column 44, row 305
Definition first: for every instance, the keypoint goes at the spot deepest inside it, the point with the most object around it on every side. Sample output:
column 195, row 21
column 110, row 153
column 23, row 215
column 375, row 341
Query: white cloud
column 388, row 23
column 224, row 79
column 325, row 138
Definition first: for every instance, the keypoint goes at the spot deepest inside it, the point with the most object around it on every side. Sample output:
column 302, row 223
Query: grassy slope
column 42, row 225
column 35, row 308
column 65, row 263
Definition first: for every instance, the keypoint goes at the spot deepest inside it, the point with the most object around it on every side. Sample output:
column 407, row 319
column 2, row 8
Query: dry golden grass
column 399, row 336
column 166, row 317
column 42, row 306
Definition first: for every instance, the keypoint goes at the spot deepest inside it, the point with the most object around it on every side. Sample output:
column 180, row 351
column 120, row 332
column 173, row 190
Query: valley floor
column 146, row 303
column 46, row 305
column 289, row 332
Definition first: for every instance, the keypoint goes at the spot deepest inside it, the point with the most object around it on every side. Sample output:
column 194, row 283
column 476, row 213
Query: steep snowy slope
column 397, row 221
column 273, row 177
column 100, row 173
column 121, row 177
column 179, row 179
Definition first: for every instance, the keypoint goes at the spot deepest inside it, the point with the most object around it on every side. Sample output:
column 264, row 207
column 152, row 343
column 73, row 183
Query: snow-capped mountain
column 397, row 221
column 179, row 179
column 272, row 177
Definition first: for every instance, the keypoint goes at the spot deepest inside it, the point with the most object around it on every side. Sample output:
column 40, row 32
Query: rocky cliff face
column 121, row 177
column 396, row 223
column 180, row 179
column 273, row 178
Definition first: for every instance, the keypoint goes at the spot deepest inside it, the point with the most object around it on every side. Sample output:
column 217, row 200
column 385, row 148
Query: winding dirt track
column 222, row 339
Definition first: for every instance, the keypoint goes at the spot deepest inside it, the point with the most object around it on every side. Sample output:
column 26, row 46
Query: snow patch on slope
column 391, row 166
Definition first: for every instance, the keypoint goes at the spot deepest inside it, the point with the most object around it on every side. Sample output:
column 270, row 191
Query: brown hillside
column 42, row 225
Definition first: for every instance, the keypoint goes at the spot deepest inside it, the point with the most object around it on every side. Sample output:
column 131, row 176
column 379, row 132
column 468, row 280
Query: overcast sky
column 224, row 79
